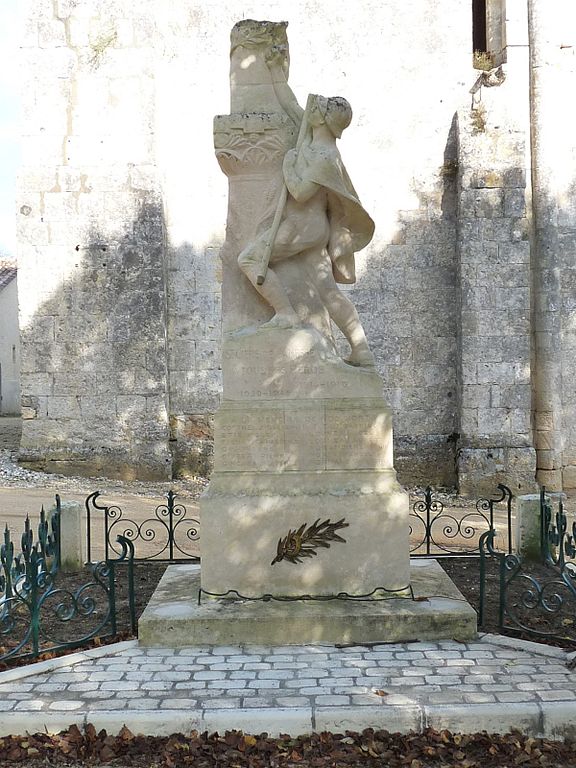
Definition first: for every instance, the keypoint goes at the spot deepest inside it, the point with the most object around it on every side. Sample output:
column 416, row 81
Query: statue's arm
column 300, row 188
column 284, row 93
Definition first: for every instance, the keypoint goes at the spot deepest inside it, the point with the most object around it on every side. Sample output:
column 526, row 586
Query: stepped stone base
column 173, row 618
column 301, row 439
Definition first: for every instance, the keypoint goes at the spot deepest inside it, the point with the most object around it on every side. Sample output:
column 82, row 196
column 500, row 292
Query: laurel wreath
column 305, row 541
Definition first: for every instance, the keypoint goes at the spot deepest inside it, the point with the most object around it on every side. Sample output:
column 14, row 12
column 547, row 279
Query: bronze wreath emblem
column 305, row 542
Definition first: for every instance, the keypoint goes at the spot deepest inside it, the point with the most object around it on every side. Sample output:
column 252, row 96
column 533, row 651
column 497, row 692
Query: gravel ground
column 14, row 476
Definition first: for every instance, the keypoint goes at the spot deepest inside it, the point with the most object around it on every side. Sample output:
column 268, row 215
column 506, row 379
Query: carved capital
column 252, row 143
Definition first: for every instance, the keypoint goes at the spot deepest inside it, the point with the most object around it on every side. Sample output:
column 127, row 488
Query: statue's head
column 334, row 111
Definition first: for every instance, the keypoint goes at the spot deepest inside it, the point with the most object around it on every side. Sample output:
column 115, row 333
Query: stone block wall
column 122, row 208
column 121, row 211
column 194, row 331
column 495, row 398
column 415, row 328
column 91, row 248
column 9, row 342
column 566, row 158
column 567, row 254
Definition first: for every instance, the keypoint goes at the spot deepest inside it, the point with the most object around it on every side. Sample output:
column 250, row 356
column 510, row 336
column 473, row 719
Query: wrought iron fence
column 435, row 532
column 42, row 555
column 536, row 598
column 41, row 609
column 169, row 536
column 173, row 536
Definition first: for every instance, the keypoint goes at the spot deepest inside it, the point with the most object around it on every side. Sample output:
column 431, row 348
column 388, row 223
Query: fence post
column 532, row 542
column 528, row 527
column 72, row 536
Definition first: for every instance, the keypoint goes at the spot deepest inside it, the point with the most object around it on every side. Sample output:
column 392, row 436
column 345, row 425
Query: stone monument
column 304, row 526
column 303, row 499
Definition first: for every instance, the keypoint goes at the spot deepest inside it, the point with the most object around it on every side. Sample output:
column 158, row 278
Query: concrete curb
column 553, row 720
column 38, row 667
column 526, row 645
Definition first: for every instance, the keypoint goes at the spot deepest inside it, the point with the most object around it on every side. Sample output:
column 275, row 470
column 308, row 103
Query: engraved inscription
column 358, row 439
column 304, row 439
column 250, row 440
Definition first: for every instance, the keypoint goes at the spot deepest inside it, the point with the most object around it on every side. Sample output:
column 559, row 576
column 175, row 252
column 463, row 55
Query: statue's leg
column 344, row 314
column 272, row 289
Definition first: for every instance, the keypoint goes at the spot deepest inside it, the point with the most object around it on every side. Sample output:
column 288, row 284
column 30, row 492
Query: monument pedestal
column 241, row 531
column 303, row 499
column 174, row 619
column 304, row 526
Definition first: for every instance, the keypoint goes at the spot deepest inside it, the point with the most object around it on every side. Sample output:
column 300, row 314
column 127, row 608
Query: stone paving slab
column 493, row 684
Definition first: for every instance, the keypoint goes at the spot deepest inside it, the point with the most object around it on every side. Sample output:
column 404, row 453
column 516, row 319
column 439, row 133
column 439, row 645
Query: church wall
column 399, row 151
column 122, row 369
column 91, row 247
column 567, row 256
column 495, row 398
column 552, row 77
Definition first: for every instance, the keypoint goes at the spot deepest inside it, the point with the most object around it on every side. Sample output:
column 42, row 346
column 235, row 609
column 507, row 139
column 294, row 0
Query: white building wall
column 9, row 351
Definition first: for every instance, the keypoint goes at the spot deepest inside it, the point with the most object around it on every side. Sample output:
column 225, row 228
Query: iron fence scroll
column 168, row 536
column 438, row 533
column 39, row 611
column 536, row 598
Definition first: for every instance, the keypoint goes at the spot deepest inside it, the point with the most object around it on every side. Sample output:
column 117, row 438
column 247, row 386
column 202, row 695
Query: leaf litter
column 235, row 749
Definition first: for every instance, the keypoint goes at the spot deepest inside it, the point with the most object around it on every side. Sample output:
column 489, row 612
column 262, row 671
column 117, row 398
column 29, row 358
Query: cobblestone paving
column 311, row 679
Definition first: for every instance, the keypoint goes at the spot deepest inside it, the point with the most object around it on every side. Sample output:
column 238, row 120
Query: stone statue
column 318, row 217
column 299, row 430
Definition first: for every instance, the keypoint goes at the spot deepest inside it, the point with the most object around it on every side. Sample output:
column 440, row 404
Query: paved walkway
column 492, row 684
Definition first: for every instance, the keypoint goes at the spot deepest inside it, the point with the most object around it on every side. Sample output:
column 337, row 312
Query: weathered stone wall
column 566, row 179
column 495, row 277
column 406, row 287
column 122, row 209
column 122, row 352
column 91, row 247
column 495, row 441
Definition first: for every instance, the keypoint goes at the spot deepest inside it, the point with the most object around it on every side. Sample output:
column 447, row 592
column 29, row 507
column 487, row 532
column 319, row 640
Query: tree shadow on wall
column 94, row 355
column 104, row 371
column 407, row 298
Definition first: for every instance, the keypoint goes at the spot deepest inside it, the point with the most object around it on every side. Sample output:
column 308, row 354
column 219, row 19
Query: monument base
column 250, row 523
column 173, row 618
column 304, row 498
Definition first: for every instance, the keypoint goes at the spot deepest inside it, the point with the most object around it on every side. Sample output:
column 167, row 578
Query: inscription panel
column 304, row 439
column 251, row 377
column 288, row 364
column 358, row 438
column 249, row 440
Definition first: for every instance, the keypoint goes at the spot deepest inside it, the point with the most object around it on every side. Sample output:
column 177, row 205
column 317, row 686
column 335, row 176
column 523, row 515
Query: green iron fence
column 438, row 532
column 170, row 535
column 535, row 598
column 42, row 609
